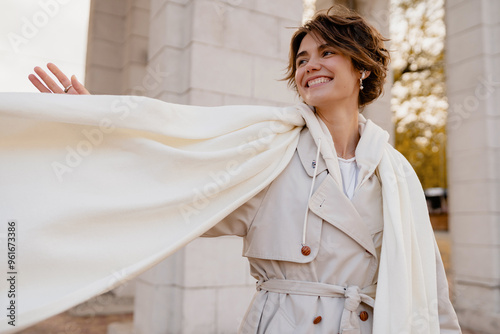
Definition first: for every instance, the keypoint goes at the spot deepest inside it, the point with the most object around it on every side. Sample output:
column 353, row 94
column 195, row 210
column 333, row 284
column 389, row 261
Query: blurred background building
column 445, row 103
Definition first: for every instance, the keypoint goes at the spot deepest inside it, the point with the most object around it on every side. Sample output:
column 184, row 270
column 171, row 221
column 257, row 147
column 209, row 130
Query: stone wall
column 473, row 88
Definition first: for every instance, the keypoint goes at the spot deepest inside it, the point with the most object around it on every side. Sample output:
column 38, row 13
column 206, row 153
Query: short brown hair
column 348, row 32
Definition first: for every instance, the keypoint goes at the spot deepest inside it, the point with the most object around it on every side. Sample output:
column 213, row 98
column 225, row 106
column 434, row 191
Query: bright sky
column 35, row 32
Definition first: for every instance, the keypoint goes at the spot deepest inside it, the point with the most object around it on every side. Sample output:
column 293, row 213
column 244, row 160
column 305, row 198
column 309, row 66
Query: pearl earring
column 361, row 80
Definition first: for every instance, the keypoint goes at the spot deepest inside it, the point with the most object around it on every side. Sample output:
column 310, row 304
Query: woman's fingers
column 78, row 87
column 40, row 86
column 51, row 84
column 63, row 79
column 48, row 85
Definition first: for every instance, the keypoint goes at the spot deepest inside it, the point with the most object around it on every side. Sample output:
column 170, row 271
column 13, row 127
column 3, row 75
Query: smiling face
column 324, row 75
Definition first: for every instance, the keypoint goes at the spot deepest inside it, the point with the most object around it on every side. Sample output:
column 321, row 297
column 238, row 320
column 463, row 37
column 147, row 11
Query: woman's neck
column 343, row 126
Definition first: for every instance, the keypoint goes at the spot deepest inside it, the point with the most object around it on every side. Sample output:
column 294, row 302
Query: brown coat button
column 363, row 316
column 305, row 250
column 317, row 320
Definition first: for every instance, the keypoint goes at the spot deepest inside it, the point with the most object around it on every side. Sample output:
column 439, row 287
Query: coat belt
column 349, row 323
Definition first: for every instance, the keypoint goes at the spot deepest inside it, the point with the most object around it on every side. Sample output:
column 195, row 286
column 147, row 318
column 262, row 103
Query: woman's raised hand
column 72, row 86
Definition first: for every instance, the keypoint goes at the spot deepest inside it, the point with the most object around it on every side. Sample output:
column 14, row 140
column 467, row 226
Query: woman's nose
column 313, row 64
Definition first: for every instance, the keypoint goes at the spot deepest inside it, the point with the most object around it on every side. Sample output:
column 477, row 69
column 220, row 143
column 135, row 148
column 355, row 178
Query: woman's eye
column 328, row 53
column 301, row 62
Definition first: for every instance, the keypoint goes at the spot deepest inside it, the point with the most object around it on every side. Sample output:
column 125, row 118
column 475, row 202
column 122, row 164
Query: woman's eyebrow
column 301, row 53
column 320, row 48
column 324, row 46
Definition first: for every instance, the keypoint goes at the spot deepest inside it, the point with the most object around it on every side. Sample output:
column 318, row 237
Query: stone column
column 104, row 48
column 117, row 47
column 117, row 64
column 211, row 52
column 473, row 88
column 377, row 13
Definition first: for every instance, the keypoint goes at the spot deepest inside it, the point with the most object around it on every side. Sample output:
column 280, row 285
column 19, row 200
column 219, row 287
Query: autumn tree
column 418, row 96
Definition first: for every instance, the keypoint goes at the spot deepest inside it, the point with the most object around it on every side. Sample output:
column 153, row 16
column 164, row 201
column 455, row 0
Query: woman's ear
column 365, row 74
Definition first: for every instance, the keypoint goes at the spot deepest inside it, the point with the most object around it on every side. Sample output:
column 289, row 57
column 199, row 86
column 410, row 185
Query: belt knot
column 353, row 299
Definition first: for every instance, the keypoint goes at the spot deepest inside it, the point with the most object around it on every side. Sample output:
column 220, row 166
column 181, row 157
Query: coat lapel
column 331, row 204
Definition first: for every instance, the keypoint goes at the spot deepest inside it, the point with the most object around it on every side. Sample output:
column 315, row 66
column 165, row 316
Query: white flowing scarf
column 98, row 189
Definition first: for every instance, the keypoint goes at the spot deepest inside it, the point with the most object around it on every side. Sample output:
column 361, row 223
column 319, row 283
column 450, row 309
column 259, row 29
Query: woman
column 314, row 235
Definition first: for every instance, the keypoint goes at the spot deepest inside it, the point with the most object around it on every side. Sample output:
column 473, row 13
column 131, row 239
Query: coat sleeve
column 448, row 321
column 238, row 222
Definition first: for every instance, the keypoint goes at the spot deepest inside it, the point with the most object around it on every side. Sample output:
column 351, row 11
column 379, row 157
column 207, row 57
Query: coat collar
column 370, row 149
column 306, row 149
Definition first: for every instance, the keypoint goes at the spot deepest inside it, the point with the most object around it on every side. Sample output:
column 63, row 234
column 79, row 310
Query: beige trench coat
column 345, row 238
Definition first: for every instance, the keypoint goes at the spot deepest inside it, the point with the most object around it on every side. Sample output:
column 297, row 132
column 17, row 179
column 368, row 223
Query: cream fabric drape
column 101, row 188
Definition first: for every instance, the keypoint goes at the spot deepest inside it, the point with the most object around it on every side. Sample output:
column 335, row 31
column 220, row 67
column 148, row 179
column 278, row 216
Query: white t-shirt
column 349, row 170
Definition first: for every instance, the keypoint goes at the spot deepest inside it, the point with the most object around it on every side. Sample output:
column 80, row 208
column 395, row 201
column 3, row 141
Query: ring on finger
column 67, row 88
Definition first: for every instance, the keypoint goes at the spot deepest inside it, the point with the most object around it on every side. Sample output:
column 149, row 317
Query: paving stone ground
column 66, row 323
column 444, row 244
